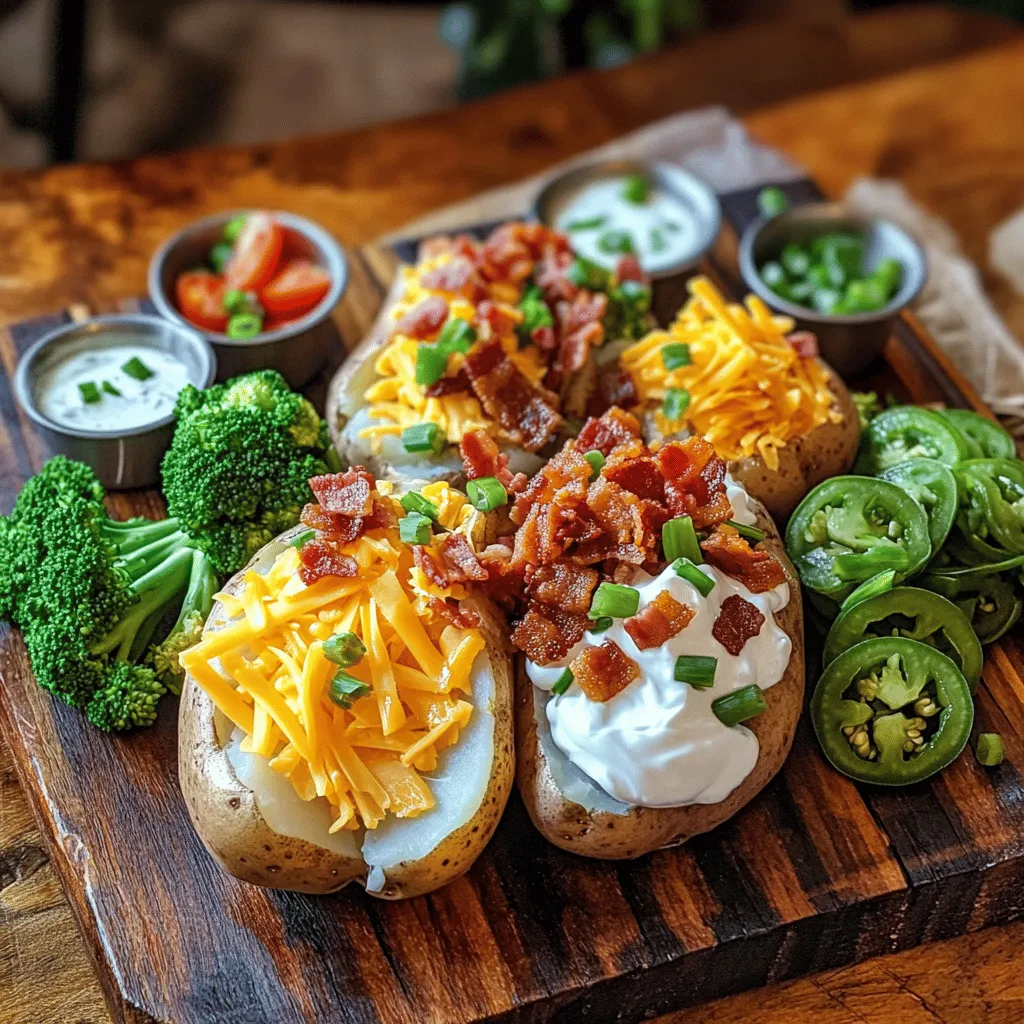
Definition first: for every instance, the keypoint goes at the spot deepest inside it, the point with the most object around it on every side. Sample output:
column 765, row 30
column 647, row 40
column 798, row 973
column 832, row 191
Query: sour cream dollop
column 657, row 743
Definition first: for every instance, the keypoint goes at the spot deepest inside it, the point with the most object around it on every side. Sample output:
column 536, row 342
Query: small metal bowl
column 700, row 200
column 121, row 458
column 298, row 349
column 848, row 343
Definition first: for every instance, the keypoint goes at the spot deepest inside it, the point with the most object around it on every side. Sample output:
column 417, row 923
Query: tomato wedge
column 296, row 289
column 200, row 295
column 257, row 254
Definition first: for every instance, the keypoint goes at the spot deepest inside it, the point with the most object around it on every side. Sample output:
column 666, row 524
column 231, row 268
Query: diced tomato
column 257, row 254
column 200, row 295
column 296, row 289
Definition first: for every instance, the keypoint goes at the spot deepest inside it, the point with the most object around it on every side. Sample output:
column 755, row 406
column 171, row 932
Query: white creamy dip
column 657, row 743
column 88, row 360
column 663, row 230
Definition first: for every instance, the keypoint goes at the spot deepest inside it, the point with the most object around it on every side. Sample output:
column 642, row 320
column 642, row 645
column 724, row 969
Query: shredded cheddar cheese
column 265, row 669
column 750, row 392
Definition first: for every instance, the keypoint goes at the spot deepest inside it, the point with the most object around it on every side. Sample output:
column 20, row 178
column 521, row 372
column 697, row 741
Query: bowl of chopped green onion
column 840, row 275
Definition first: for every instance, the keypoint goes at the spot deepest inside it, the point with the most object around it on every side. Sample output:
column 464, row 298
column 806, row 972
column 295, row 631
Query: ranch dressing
column 89, row 360
column 657, row 743
column 663, row 230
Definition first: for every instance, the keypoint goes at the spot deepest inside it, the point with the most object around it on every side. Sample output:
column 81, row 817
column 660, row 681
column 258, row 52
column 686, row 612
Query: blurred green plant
column 508, row 42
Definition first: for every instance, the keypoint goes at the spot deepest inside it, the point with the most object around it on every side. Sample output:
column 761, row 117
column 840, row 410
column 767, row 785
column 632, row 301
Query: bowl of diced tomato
column 260, row 285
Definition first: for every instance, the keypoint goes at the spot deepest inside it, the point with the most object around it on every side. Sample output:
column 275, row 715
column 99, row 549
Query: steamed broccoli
column 91, row 593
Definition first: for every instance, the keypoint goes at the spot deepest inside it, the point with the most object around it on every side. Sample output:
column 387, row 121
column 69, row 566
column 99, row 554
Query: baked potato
column 576, row 814
column 254, row 824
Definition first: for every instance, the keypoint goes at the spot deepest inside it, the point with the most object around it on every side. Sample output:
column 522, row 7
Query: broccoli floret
column 238, row 468
column 127, row 699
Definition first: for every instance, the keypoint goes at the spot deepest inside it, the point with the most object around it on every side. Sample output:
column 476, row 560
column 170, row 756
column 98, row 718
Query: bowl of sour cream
column 664, row 216
column 103, row 391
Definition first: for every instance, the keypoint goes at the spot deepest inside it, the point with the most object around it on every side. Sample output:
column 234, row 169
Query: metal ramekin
column 299, row 349
column 848, row 343
column 121, row 459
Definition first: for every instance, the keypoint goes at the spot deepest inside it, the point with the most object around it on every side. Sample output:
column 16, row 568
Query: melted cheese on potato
column 750, row 392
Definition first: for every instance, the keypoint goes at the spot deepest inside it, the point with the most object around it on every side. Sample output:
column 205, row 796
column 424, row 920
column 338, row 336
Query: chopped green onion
column 536, row 313
column 675, row 404
column 413, row 501
column 301, row 539
column 110, row 389
column 742, row 704
column 414, row 529
column 136, row 368
column 689, row 572
column 90, row 393
column 696, row 669
column 880, row 584
column 675, row 354
column 614, row 600
column 989, row 749
column 601, row 624
column 423, row 437
column 636, row 189
column 772, row 201
column 616, row 241
column 346, row 688
column 750, row 532
column 431, row 363
column 586, row 224
column 585, row 274
column 657, row 239
column 219, row 255
column 344, row 649
column 244, row 325
column 234, row 228
column 457, row 336
column 486, row 493
column 679, row 540
column 562, row 683
column 596, row 460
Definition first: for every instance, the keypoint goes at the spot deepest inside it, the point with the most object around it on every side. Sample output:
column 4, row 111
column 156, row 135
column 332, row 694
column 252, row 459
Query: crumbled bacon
column 614, row 386
column 602, row 672
column 562, row 469
column 544, row 338
column 738, row 621
column 695, row 481
column 568, row 586
column 429, row 566
column 661, row 620
column 482, row 457
column 512, row 250
column 319, row 558
column 451, row 277
column 627, row 268
column 525, row 411
column 757, row 570
column 341, row 529
column 580, row 328
column 603, row 434
column 425, row 319
column 345, row 494
column 447, row 385
column 457, row 245
column 552, row 277
column 459, row 559
column 546, row 634
column 803, row 343
column 637, row 472
column 452, row 612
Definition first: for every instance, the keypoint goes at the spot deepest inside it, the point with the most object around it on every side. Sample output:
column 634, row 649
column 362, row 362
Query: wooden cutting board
column 815, row 873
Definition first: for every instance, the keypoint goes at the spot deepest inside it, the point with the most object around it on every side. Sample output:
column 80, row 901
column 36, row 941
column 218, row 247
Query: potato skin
column 828, row 450
column 225, row 815
column 641, row 830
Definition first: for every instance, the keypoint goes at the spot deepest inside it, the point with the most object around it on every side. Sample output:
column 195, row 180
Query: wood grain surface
column 86, row 233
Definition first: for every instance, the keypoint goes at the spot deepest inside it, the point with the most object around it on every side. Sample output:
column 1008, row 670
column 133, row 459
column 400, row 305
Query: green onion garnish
column 234, row 228
column 136, row 368
column 658, row 241
column 346, row 688
column 413, row 501
column 302, row 538
column 244, row 326
column 750, row 532
column 675, row 354
column 688, row 571
column 675, row 404
column 616, row 241
column 456, row 336
column 423, row 437
column 562, row 683
column 740, row 705
column 344, row 649
column 696, row 669
column 636, row 189
column 414, row 529
column 615, row 601
column 772, row 201
column 679, row 540
column 880, row 584
column 600, row 625
column 486, row 493
column 989, row 749
column 110, row 389
column 586, row 224
column 219, row 255
column 431, row 363
column 596, row 460
column 89, row 392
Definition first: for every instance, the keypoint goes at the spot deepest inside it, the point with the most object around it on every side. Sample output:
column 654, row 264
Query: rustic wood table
column 949, row 131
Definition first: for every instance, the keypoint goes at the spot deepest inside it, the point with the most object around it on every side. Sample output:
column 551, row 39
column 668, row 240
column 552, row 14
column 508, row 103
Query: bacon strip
column 661, row 620
column 758, row 570
column 346, row 494
column 604, row 671
column 738, row 621
column 547, row 634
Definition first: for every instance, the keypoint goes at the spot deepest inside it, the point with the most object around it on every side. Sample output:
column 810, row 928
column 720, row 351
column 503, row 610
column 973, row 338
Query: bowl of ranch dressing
column 103, row 391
